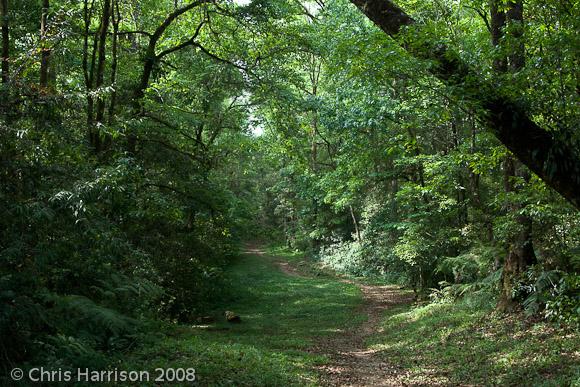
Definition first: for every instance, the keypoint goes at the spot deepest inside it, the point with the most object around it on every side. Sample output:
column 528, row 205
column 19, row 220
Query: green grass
column 281, row 317
column 297, row 259
column 467, row 344
column 292, row 256
column 464, row 343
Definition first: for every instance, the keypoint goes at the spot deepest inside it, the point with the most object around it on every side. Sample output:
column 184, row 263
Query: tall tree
column 521, row 251
column 5, row 41
column 116, row 20
column 44, row 49
column 152, row 58
column 100, row 79
column 552, row 155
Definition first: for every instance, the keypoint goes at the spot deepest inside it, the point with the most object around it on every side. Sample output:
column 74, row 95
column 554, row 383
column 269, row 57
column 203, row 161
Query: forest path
column 352, row 363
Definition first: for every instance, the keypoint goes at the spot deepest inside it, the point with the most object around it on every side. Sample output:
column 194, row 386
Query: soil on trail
column 284, row 266
column 352, row 363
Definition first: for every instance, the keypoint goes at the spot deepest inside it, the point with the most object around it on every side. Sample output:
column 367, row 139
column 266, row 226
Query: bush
column 554, row 294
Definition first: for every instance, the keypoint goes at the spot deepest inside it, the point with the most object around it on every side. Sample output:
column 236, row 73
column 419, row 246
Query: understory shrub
column 552, row 293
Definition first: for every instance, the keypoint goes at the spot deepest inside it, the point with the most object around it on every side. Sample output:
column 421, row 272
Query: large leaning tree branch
column 550, row 155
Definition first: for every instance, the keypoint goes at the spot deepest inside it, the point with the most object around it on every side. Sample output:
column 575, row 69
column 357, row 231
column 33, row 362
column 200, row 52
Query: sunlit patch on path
column 352, row 363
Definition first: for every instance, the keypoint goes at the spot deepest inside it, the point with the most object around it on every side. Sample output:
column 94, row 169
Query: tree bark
column 521, row 250
column 5, row 41
column 515, row 15
column 45, row 50
column 355, row 223
column 115, row 19
column 47, row 115
column 497, row 23
column 100, row 75
column 551, row 155
column 89, row 69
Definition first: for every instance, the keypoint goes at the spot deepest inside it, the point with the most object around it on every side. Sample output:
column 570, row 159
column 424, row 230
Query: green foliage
column 350, row 258
column 452, row 292
column 563, row 305
column 281, row 316
column 554, row 294
column 134, row 160
column 379, row 169
column 99, row 236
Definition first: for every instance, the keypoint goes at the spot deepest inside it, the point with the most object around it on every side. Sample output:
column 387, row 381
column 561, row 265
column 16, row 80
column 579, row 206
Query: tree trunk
column 394, row 189
column 355, row 223
column 116, row 19
column 474, row 177
column 521, row 250
column 462, row 215
column 100, row 76
column 89, row 69
column 45, row 50
column 497, row 24
column 47, row 115
column 5, row 41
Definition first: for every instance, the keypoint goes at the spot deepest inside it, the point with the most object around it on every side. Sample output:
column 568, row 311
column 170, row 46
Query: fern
column 450, row 292
column 92, row 318
column 542, row 285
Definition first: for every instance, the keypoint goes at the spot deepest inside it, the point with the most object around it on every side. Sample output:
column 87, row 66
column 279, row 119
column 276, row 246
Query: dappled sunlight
column 457, row 344
column 290, row 192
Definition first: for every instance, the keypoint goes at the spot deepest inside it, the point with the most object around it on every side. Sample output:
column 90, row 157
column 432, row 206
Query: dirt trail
column 352, row 363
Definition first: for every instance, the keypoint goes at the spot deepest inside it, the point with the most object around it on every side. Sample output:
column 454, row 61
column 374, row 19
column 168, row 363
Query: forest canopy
column 432, row 144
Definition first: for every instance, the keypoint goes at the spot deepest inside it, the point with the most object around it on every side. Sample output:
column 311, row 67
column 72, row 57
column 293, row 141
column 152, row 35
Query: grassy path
column 282, row 315
column 465, row 343
column 350, row 361
column 303, row 327
column 353, row 363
